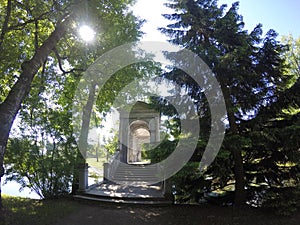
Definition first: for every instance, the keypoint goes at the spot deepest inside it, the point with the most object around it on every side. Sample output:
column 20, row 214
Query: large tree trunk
column 10, row 107
column 239, row 174
column 79, row 176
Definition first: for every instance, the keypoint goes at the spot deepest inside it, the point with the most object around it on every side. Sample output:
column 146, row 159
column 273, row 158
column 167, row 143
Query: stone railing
column 111, row 167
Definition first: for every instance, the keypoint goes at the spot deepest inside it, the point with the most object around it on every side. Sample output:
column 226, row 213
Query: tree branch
column 36, row 35
column 20, row 26
column 11, row 105
column 5, row 23
column 59, row 59
column 296, row 62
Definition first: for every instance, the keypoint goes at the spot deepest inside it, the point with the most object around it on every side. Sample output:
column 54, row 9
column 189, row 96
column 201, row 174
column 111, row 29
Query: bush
column 282, row 201
column 46, row 170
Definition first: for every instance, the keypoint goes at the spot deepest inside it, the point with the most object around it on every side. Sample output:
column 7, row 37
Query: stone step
column 136, row 173
column 142, row 201
column 134, row 180
column 139, row 173
column 133, row 177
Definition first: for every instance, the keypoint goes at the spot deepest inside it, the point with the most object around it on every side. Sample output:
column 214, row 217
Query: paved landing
column 109, row 189
column 121, row 193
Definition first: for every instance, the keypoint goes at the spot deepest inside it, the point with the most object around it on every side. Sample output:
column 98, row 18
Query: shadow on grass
column 25, row 211
column 22, row 211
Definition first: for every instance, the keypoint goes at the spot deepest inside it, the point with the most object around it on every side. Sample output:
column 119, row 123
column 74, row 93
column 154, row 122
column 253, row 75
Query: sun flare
column 86, row 33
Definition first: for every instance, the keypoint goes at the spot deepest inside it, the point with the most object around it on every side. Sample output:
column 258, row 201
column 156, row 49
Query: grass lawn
column 93, row 162
column 27, row 211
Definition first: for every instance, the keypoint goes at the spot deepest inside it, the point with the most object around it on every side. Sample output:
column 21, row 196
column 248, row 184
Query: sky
column 281, row 15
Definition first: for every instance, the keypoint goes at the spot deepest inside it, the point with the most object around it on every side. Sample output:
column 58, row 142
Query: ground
column 175, row 215
column 71, row 212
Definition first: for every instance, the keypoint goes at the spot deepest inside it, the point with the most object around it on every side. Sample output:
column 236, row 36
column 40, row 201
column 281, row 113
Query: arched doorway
column 138, row 128
column 139, row 137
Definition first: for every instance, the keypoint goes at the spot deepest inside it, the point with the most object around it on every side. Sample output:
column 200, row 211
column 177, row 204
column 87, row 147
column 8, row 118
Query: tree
column 11, row 104
column 272, row 155
column 43, row 33
column 248, row 67
column 292, row 59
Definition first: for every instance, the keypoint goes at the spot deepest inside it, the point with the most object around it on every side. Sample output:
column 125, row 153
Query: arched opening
column 139, row 137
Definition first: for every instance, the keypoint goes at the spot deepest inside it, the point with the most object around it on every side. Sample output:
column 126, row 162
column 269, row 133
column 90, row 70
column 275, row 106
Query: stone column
column 168, row 190
column 152, row 129
column 123, row 136
column 83, row 177
column 157, row 133
column 106, row 167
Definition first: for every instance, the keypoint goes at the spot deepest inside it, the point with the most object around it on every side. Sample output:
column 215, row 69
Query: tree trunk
column 11, row 105
column 239, row 174
column 2, row 151
column 83, row 140
column 86, row 118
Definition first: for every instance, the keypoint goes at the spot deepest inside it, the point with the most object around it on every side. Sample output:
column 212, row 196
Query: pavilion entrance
column 139, row 140
column 138, row 133
column 129, row 176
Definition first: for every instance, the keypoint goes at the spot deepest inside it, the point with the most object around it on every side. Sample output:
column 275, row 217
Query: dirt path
column 108, row 214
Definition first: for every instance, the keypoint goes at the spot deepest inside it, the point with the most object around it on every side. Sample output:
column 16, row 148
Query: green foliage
column 112, row 144
column 47, row 169
column 292, row 59
column 245, row 63
column 28, row 25
column 120, row 85
column 42, row 152
column 272, row 160
column 162, row 151
column 259, row 79
column 188, row 184
column 284, row 201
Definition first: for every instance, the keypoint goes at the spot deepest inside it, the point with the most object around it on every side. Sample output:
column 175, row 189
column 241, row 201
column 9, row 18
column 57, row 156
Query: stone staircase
column 135, row 174
column 117, row 193
column 128, row 183
column 137, row 183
